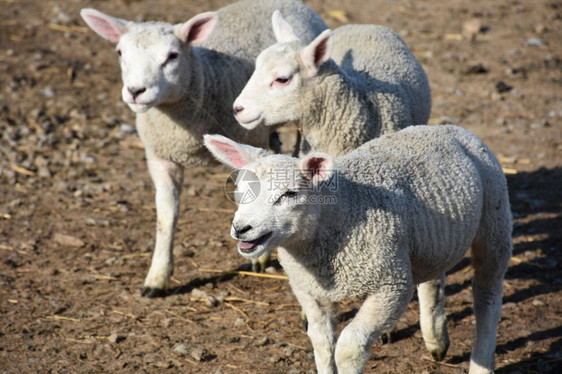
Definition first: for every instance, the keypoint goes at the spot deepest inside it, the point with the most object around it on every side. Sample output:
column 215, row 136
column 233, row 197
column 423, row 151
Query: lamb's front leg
column 321, row 317
column 379, row 313
column 167, row 177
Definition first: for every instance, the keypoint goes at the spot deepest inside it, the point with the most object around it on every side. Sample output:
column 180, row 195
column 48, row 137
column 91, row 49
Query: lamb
column 181, row 81
column 344, row 88
column 398, row 211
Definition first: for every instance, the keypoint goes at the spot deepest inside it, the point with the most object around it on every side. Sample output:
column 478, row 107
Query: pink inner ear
column 200, row 30
column 317, row 167
column 320, row 52
column 105, row 28
column 229, row 152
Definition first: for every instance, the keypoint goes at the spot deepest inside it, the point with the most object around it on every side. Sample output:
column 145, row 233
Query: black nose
column 136, row 91
column 238, row 109
column 240, row 231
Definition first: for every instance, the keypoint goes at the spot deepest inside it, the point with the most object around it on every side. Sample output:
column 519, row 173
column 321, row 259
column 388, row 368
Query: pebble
column 196, row 293
column 262, row 341
column 114, row 338
column 198, row 353
column 534, row 42
column 181, row 349
column 68, row 240
column 288, row 351
column 501, row 87
column 537, row 302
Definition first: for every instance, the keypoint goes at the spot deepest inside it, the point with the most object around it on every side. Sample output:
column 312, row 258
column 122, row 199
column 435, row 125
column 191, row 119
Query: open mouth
column 248, row 247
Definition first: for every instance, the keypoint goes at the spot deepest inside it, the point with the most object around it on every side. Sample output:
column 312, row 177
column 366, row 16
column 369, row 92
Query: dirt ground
column 77, row 213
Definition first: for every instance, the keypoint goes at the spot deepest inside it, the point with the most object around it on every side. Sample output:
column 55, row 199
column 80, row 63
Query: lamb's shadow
column 538, row 362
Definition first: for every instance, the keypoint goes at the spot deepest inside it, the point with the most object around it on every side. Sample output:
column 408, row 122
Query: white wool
column 397, row 212
column 181, row 80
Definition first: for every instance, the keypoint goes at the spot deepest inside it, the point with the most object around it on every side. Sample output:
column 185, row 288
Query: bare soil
column 77, row 213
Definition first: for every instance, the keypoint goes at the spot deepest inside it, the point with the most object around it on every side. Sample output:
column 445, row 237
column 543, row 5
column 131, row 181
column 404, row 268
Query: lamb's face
column 273, row 92
column 276, row 194
column 151, row 59
column 278, row 211
column 153, row 55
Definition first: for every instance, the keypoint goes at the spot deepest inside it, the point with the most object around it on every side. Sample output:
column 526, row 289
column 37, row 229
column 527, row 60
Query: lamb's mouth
column 247, row 247
column 251, row 123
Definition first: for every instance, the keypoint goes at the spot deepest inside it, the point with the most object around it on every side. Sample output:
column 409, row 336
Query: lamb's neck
column 339, row 105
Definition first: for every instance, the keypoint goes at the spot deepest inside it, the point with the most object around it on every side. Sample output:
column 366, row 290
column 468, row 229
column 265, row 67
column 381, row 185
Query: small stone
column 48, row 92
column 196, row 293
column 198, row 353
column 211, row 301
column 114, row 338
column 537, row 302
column 239, row 322
column 501, row 87
column 127, row 128
column 68, row 240
column 261, row 342
column 288, row 351
column 274, row 359
column 181, row 349
column 534, row 42
column 270, row 270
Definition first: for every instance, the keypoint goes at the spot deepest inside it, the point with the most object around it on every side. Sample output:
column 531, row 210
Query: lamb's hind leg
column 491, row 256
column 433, row 320
column 167, row 177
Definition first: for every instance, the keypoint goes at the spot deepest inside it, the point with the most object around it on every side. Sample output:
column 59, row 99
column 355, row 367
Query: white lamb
column 345, row 88
column 399, row 211
column 181, row 80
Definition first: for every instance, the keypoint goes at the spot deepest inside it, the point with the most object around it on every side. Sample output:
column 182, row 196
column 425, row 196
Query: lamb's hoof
column 439, row 355
column 386, row 337
column 261, row 263
column 258, row 267
column 304, row 321
column 151, row 292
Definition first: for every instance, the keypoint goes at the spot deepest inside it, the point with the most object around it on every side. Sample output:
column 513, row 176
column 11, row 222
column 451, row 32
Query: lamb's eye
column 119, row 52
column 171, row 56
column 288, row 194
column 282, row 81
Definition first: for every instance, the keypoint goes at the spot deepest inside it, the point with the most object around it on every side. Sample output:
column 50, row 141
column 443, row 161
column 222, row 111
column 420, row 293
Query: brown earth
column 77, row 210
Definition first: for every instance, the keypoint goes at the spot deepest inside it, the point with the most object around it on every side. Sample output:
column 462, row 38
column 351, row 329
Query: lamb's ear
column 107, row 27
column 317, row 167
column 316, row 53
column 231, row 153
column 197, row 29
column 281, row 29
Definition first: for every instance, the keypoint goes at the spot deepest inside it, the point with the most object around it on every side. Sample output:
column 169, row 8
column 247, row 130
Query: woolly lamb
column 181, row 80
column 371, row 85
column 399, row 211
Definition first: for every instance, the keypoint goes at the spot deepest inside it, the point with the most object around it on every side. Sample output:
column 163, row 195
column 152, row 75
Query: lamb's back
column 244, row 28
column 428, row 181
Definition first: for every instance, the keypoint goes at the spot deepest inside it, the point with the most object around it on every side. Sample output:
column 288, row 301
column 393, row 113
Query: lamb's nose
column 136, row 91
column 240, row 231
column 238, row 109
